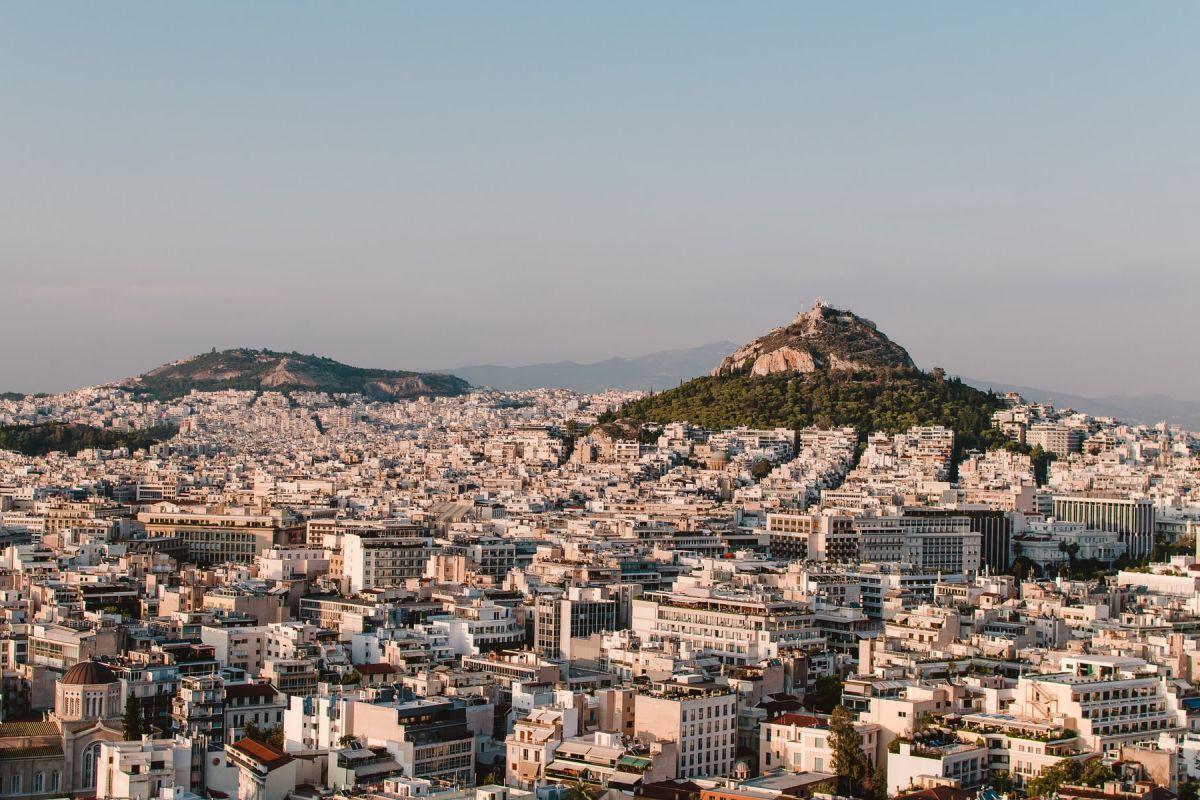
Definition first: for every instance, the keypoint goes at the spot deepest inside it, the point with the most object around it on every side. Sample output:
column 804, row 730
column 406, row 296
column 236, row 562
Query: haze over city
column 1009, row 189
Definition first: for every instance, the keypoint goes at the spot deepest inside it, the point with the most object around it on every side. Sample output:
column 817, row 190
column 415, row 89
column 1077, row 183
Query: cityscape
column 280, row 591
column 745, row 490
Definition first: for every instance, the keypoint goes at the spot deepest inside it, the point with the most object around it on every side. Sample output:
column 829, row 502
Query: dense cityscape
column 625, row 400
column 531, row 594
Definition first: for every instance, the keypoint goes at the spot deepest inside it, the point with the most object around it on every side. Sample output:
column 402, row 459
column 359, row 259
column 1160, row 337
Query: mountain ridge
column 659, row 369
column 270, row 370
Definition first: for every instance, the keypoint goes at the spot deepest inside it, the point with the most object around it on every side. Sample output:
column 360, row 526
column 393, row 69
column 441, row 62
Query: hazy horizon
column 1009, row 191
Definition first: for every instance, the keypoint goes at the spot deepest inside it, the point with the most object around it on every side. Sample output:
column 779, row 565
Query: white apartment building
column 800, row 743
column 144, row 769
column 379, row 559
column 738, row 627
column 478, row 626
column 939, row 543
column 946, row 760
column 1109, row 700
column 700, row 717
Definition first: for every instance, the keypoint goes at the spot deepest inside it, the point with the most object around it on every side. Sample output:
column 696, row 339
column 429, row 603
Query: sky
column 1010, row 190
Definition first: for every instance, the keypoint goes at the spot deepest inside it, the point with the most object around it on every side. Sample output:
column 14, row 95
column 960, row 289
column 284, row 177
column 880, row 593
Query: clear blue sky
column 1012, row 190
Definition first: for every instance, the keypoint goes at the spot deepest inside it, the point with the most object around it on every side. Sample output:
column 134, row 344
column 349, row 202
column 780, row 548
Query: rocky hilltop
column 267, row 370
column 822, row 338
column 826, row 368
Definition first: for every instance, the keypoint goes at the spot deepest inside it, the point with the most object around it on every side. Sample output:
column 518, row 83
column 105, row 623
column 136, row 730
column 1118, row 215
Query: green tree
column 1096, row 773
column 850, row 763
column 131, row 725
column 879, row 787
column 1002, row 781
column 272, row 735
column 1050, row 779
column 579, row 790
column 826, row 694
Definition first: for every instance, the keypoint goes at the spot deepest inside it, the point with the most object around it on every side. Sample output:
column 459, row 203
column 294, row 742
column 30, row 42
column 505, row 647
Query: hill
column 849, row 374
column 267, row 370
column 656, row 370
column 48, row 437
column 820, row 339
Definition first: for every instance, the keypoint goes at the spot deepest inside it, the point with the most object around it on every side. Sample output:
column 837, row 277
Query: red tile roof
column 265, row 754
column 799, row 720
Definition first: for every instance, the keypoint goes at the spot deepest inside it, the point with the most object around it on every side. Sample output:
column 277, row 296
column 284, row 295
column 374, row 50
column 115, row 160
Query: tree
column 849, row 763
column 1096, row 773
column 272, row 735
column 348, row 740
column 579, row 790
column 1002, row 781
column 826, row 694
column 131, row 725
column 879, row 787
column 1050, row 779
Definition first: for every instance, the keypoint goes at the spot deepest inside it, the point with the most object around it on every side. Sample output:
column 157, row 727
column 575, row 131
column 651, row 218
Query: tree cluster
column 48, row 437
column 1089, row 773
column 881, row 400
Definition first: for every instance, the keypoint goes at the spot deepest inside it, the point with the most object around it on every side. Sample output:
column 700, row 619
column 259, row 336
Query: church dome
column 88, row 673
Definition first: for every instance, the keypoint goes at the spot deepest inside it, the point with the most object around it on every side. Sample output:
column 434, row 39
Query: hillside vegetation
column 882, row 400
column 827, row 367
column 48, row 437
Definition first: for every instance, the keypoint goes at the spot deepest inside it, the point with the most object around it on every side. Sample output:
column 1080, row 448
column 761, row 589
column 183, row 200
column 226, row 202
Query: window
column 38, row 781
column 90, row 755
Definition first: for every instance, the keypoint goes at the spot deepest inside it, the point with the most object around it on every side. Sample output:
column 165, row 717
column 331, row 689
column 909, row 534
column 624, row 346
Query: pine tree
column 879, row 783
column 131, row 725
column 849, row 761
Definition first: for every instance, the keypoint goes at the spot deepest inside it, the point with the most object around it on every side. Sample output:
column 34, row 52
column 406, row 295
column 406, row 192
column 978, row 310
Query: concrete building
column 558, row 619
column 1131, row 517
column 700, row 717
column 378, row 559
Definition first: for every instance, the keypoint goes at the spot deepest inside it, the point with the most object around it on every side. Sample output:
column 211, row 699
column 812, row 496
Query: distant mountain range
column 1147, row 408
column 661, row 370
column 267, row 370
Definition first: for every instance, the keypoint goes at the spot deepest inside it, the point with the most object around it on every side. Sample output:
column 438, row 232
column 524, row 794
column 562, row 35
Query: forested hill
column 882, row 400
column 48, row 437
column 828, row 367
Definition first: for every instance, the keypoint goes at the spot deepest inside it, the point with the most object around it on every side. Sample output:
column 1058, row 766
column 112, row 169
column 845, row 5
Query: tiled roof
column 30, row 727
column 37, row 751
column 264, row 754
